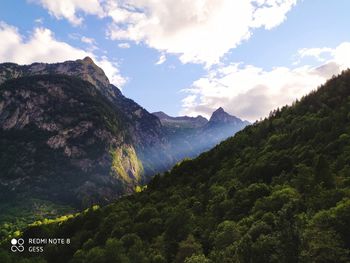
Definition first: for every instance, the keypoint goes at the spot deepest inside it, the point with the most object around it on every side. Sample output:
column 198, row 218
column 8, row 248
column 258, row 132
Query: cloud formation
column 251, row 92
column 317, row 53
column 198, row 31
column 124, row 45
column 69, row 9
column 88, row 40
column 41, row 46
column 161, row 59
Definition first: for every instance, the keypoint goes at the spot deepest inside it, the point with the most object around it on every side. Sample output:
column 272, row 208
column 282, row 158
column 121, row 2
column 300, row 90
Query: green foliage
column 278, row 191
column 187, row 248
column 17, row 214
column 197, row 259
column 327, row 235
column 323, row 174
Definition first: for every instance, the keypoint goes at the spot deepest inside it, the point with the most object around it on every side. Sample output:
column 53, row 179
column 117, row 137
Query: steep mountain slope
column 190, row 136
column 62, row 141
column 278, row 191
column 68, row 139
column 145, row 129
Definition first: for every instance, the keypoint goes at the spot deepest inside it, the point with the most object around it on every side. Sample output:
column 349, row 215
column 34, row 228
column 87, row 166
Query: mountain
column 221, row 117
column 62, row 143
column 69, row 139
column 220, row 126
column 190, row 136
column 180, row 122
column 278, row 191
column 145, row 129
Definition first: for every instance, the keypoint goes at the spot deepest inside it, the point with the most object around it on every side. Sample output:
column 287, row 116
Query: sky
column 188, row 57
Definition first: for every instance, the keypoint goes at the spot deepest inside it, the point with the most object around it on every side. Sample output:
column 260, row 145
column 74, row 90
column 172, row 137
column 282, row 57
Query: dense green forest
column 278, row 191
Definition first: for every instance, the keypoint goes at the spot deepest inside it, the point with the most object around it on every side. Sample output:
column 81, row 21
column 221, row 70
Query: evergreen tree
column 323, row 175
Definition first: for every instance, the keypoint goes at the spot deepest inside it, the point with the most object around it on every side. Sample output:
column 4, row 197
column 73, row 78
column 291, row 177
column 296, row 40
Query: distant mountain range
column 180, row 122
column 69, row 137
column 190, row 136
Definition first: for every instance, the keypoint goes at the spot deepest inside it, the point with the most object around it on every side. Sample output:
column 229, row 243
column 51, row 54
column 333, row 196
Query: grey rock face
column 68, row 135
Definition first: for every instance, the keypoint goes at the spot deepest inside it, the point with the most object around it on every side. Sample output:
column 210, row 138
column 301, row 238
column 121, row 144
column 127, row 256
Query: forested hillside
column 278, row 191
column 70, row 139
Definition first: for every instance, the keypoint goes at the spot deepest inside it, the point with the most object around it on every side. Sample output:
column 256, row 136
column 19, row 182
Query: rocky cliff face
column 61, row 140
column 68, row 135
column 85, row 69
column 145, row 129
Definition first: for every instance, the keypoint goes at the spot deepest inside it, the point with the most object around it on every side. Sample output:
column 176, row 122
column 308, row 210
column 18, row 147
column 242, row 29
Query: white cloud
column 39, row 20
column 339, row 54
column 271, row 13
column 41, row 46
column 199, row 31
column 315, row 52
column 161, row 59
column 124, row 45
column 342, row 55
column 69, row 9
column 189, row 101
column 251, row 92
column 88, row 40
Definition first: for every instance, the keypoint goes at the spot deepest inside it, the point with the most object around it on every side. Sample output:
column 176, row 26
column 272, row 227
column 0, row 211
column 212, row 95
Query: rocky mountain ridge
column 181, row 121
column 190, row 136
column 145, row 129
column 69, row 137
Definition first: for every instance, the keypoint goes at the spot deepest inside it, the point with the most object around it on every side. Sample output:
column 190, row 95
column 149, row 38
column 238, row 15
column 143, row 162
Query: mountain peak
column 220, row 109
column 88, row 60
column 220, row 115
column 161, row 115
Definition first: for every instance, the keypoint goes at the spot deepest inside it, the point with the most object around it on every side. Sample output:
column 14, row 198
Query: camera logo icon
column 17, row 245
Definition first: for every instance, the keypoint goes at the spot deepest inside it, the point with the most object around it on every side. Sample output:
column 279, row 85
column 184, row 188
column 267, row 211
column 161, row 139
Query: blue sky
column 249, row 57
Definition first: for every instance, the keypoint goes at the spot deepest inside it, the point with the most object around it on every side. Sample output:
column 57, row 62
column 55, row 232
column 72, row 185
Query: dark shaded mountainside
column 70, row 139
column 190, row 136
column 278, row 191
column 143, row 128
column 76, row 107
